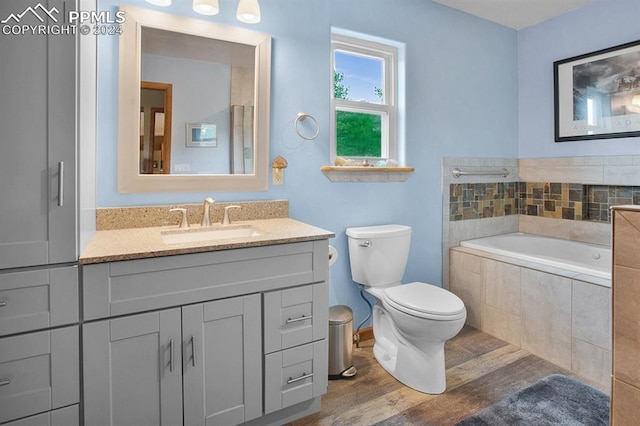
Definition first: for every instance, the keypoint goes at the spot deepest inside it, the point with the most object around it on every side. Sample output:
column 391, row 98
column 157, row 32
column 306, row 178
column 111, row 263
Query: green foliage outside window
column 357, row 134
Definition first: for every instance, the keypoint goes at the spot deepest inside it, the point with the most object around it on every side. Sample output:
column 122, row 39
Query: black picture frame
column 597, row 95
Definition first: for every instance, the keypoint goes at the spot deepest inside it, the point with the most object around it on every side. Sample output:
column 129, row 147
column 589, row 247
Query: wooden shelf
column 366, row 174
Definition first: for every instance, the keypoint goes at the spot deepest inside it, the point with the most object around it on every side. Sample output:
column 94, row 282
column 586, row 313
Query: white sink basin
column 208, row 234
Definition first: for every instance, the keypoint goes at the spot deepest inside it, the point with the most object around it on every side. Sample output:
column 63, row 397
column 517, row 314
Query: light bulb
column 163, row 3
column 206, row 7
column 248, row 11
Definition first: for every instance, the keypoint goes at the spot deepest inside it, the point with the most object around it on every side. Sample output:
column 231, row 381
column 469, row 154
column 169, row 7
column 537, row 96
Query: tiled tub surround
column 561, row 316
column 151, row 216
column 555, row 200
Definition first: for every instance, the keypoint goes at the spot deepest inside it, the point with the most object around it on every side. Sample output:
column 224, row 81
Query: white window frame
column 388, row 108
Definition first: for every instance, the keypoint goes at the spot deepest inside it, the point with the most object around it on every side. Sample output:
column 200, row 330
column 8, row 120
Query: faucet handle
column 226, row 220
column 184, row 223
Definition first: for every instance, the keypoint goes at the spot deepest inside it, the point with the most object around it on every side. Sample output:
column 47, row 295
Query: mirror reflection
column 211, row 107
column 193, row 105
column 155, row 127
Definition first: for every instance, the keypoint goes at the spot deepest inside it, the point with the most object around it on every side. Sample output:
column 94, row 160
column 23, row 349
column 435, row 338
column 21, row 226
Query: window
column 363, row 99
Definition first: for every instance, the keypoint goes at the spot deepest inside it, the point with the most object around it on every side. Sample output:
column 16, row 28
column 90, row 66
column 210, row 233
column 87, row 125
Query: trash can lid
column 340, row 314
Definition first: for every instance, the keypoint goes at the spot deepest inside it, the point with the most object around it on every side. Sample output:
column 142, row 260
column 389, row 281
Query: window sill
column 366, row 174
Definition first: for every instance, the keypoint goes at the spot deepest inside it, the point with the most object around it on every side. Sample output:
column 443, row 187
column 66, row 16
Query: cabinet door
column 133, row 370
column 37, row 118
column 222, row 361
column 38, row 372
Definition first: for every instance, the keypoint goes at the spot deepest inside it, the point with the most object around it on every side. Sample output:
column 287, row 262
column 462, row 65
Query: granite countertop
column 140, row 243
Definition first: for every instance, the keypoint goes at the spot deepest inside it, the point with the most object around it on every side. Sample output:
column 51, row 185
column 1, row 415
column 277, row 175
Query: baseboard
column 365, row 334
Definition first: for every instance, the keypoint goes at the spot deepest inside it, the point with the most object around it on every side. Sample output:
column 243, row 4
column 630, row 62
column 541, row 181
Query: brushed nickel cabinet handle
column 193, row 350
column 297, row 379
column 302, row 318
column 4, row 382
column 3, row 303
column 60, row 183
column 171, row 362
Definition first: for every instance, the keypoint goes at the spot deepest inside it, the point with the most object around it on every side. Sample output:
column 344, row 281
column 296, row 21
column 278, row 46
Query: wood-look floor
column 481, row 370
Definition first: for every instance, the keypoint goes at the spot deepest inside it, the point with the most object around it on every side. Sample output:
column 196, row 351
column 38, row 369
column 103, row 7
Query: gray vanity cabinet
column 37, row 143
column 137, row 368
column 39, row 365
column 179, row 339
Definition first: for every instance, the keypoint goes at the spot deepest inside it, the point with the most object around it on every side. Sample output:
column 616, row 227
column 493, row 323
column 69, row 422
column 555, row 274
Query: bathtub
column 578, row 257
column 548, row 296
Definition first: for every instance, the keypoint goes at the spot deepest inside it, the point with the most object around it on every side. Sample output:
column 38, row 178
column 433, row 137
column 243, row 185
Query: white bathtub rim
column 579, row 276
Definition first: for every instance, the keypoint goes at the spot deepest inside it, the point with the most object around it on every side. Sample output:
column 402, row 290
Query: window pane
column 358, row 78
column 358, row 134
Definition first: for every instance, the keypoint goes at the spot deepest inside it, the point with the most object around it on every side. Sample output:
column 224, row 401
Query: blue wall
column 461, row 100
column 599, row 25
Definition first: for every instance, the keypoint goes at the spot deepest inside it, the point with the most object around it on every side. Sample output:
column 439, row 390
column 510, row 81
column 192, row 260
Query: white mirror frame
column 129, row 178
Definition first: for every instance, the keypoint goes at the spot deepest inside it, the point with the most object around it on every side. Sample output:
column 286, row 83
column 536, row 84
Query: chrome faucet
column 206, row 218
column 226, row 220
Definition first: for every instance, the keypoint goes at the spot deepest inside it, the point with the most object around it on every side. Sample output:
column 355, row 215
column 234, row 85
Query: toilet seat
column 425, row 301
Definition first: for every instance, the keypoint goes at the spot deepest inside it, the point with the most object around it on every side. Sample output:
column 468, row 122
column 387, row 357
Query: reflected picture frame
column 597, row 95
column 201, row 135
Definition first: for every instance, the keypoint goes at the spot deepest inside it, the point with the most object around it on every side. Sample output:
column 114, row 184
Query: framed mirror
column 193, row 105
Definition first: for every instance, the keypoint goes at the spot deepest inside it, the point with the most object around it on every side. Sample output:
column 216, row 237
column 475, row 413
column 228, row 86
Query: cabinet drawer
column 32, row 300
column 295, row 375
column 38, row 372
column 67, row 416
column 295, row 316
column 119, row 288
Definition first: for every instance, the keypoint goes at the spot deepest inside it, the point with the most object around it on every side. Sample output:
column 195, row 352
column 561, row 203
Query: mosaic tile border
column 571, row 201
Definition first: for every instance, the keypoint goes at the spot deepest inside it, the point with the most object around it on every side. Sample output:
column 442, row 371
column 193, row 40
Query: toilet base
column 422, row 369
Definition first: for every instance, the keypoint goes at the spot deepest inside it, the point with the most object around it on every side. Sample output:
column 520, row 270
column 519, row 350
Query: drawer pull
column 302, row 318
column 3, row 303
column 171, row 363
column 4, row 382
column 193, row 350
column 297, row 379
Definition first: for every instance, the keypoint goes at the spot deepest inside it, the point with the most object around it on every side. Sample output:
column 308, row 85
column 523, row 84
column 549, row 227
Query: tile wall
column 616, row 178
column 572, row 201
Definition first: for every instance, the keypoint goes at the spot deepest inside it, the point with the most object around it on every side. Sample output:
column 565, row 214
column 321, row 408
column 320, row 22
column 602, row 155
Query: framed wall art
column 597, row 95
column 201, row 135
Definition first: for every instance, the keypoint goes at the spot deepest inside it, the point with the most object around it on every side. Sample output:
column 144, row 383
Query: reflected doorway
column 155, row 127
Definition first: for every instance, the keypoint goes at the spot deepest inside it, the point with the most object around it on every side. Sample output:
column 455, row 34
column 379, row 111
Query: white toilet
column 411, row 322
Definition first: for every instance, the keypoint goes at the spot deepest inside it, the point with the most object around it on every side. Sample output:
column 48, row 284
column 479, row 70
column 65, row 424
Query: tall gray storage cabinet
column 39, row 353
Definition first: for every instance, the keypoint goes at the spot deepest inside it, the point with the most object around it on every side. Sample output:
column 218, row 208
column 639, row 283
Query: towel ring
column 302, row 116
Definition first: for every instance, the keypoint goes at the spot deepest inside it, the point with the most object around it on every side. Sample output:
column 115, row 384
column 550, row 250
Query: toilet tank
column 378, row 254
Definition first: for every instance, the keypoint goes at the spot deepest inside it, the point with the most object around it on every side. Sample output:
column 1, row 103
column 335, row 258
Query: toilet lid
column 425, row 300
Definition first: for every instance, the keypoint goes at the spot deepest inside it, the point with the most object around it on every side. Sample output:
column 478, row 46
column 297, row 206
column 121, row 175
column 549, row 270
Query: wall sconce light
column 635, row 100
column 162, row 3
column 248, row 10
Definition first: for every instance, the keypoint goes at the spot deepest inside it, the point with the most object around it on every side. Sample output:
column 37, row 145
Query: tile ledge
column 366, row 174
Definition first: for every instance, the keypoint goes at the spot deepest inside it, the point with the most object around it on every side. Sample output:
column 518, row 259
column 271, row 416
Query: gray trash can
column 340, row 342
